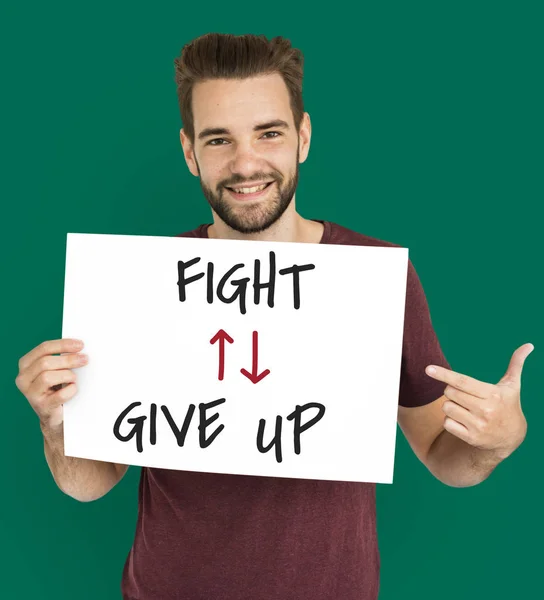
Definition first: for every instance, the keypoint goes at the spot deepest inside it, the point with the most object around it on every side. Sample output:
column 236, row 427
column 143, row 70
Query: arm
column 451, row 460
column 81, row 478
column 472, row 425
column 48, row 381
column 463, row 435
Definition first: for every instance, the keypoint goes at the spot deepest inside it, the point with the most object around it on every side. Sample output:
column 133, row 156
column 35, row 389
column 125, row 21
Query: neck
column 290, row 227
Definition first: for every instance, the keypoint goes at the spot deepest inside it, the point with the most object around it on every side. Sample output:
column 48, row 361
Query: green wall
column 427, row 132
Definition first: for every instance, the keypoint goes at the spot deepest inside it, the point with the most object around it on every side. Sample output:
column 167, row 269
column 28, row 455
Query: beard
column 252, row 216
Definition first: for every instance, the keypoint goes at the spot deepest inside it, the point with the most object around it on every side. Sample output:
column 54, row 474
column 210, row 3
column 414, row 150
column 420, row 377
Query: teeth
column 250, row 190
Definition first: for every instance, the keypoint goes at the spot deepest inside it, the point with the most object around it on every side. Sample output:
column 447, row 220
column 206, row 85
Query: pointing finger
column 462, row 382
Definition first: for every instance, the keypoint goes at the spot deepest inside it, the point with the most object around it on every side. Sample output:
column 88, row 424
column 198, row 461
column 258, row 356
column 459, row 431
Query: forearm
column 81, row 478
column 458, row 464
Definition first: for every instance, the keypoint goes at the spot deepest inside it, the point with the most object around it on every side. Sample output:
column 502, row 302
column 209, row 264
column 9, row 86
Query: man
column 232, row 537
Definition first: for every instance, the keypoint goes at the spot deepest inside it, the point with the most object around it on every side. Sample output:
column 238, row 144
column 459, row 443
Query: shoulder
column 338, row 234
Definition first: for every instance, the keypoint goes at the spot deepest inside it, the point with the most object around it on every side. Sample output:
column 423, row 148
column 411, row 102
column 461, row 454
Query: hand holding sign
column 48, row 381
column 484, row 415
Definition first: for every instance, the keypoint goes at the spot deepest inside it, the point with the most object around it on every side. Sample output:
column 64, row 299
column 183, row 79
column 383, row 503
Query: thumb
column 512, row 377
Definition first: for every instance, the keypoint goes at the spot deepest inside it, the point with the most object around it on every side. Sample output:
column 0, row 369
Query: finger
column 515, row 366
column 49, row 405
column 465, row 400
column 462, row 382
column 460, row 414
column 456, row 429
column 62, row 396
column 46, row 380
column 50, row 347
column 50, row 363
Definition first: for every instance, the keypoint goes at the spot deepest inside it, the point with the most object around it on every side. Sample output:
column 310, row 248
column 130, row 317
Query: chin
column 252, row 227
column 251, row 217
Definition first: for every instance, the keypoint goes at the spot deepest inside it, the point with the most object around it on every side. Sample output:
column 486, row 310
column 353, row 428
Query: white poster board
column 197, row 363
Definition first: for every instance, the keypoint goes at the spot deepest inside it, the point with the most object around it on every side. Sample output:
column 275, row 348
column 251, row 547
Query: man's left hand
column 485, row 415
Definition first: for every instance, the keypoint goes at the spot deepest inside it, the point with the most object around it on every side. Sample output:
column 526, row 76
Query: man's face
column 244, row 135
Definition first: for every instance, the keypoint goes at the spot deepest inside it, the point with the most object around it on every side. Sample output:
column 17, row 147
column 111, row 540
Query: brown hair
column 228, row 56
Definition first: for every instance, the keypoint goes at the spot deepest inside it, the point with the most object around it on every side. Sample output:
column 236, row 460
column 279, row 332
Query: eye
column 211, row 142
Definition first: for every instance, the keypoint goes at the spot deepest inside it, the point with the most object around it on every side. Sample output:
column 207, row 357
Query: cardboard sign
column 232, row 356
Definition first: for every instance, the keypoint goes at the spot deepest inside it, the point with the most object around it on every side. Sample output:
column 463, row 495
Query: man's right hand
column 47, row 381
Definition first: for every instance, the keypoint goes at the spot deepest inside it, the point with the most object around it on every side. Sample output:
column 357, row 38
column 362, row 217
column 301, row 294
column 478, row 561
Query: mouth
column 250, row 195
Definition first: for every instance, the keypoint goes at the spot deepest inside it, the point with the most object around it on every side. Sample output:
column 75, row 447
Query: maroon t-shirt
column 205, row 536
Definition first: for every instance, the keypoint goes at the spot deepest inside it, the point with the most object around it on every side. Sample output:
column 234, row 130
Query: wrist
column 52, row 432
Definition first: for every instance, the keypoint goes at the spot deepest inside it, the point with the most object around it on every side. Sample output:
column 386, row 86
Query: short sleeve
column 420, row 347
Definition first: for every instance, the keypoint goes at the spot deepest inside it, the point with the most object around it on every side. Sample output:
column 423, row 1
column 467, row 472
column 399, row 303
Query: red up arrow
column 254, row 367
column 221, row 335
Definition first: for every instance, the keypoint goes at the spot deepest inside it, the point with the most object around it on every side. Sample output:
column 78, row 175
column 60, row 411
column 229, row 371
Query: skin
column 47, row 382
column 460, row 437
column 244, row 156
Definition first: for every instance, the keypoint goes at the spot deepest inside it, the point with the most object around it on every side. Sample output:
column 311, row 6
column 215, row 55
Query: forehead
column 240, row 103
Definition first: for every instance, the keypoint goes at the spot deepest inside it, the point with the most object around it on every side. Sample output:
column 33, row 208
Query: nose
column 246, row 160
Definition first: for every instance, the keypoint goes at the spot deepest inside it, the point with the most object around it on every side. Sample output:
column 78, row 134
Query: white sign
column 232, row 356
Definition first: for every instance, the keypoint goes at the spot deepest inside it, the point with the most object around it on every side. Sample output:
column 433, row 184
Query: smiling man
column 246, row 154
column 249, row 203
column 204, row 536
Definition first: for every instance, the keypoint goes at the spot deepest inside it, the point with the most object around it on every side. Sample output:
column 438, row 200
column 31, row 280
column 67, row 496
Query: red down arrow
column 253, row 377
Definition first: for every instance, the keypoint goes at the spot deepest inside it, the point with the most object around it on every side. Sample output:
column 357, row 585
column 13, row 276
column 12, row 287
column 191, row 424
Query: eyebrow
column 223, row 131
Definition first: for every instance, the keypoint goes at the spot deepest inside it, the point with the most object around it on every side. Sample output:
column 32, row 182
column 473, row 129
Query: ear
column 305, row 134
column 188, row 153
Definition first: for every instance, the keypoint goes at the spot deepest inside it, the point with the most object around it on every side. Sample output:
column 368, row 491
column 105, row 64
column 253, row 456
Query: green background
column 427, row 132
